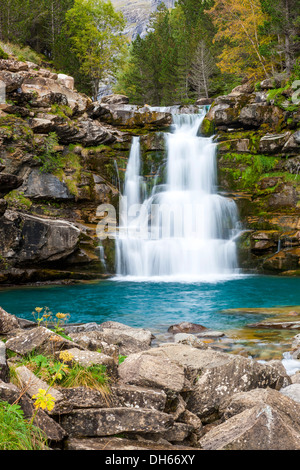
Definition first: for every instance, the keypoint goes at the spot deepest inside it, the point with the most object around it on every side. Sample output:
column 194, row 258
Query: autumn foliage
column 238, row 25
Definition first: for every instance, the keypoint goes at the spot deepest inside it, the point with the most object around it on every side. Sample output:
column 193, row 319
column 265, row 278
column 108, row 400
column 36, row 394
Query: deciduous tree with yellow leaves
column 238, row 24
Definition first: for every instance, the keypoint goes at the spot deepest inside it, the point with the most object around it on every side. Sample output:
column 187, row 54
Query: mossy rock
column 207, row 128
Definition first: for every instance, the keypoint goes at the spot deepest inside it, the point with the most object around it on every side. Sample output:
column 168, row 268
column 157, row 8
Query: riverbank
column 183, row 394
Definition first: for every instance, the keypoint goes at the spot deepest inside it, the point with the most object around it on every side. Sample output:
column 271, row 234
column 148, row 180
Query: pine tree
column 284, row 22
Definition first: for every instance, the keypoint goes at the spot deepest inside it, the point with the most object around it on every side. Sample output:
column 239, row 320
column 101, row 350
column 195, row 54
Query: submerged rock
column 186, row 327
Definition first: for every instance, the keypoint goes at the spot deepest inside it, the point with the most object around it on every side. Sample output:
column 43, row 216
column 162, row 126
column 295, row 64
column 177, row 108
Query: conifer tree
column 283, row 20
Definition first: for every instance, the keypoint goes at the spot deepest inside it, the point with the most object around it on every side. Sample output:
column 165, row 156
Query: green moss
column 207, row 128
column 243, row 171
column 62, row 111
column 49, row 159
column 13, row 128
column 70, row 171
column 17, row 200
column 278, row 98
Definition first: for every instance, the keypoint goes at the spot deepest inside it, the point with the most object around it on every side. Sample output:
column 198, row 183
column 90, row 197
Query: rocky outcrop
column 256, row 130
column 169, row 397
column 61, row 157
column 131, row 116
column 138, row 13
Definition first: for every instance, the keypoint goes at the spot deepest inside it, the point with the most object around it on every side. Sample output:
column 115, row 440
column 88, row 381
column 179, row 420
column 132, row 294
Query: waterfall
column 183, row 229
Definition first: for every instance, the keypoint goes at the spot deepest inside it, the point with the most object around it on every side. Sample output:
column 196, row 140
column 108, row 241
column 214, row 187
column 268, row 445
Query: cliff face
column 61, row 157
column 137, row 14
column 258, row 135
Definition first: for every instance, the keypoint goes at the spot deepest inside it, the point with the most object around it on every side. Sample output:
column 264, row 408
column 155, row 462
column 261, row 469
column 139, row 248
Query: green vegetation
column 260, row 165
column 244, row 171
column 21, row 52
column 159, row 66
column 82, row 38
column 98, row 49
column 63, row 372
column 3, row 55
column 16, row 433
column 17, row 200
column 197, row 49
column 57, row 368
column 50, row 160
column 206, row 48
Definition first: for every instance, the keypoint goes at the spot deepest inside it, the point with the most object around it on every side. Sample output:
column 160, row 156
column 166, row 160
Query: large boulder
column 39, row 339
column 46, row 186
column 8, row 183
column 209, row 375
column 8, row 322
column 261, row 419
column 258, row 428
column 276, row 399
column 131, row 116
column 30, row 240
column 128, row 340
column 153, row 369
column 112, row 421
column 85, row 131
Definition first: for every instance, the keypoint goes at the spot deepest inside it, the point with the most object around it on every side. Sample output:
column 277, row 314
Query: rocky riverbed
column 183, row 394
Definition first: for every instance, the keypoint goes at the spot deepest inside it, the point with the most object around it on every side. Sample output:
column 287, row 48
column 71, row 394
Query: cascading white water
column 184, row 229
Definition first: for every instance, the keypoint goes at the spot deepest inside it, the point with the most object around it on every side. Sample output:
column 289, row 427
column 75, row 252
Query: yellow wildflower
column 66, row 356
column 44, row 400
column 61, row 315
column 38, row 309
